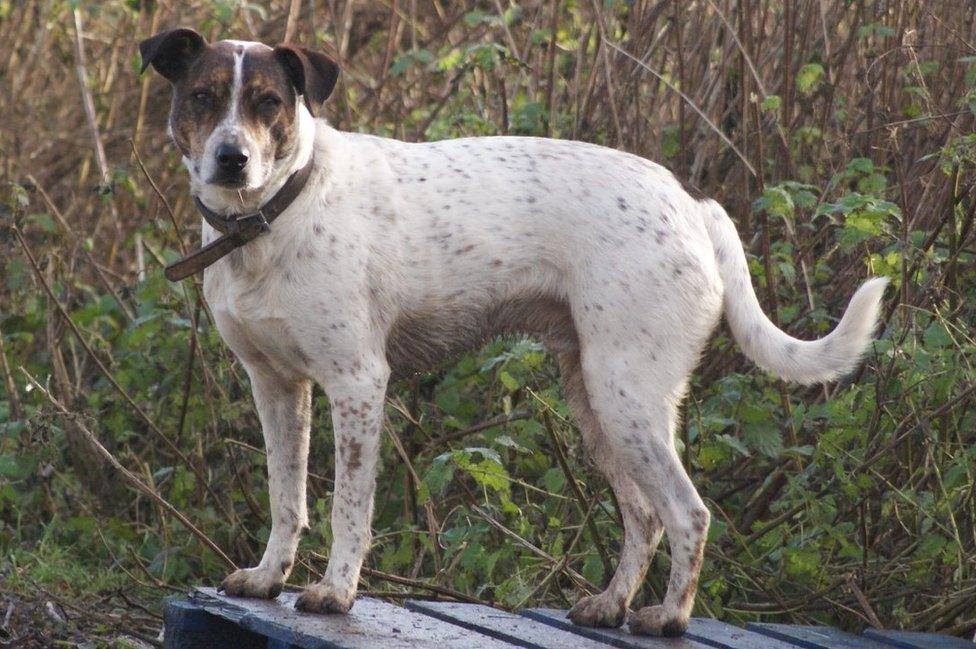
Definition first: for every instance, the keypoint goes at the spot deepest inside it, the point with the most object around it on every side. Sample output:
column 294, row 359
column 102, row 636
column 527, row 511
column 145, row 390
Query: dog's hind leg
column 642, row 325
column 639, row 418
column 642, row 527
column 284, row 407
column 686, row 520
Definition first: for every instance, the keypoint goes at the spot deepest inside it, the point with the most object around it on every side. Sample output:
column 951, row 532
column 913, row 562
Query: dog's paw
column 654, row 620
column 322, row 598
column 252, row 582
column 599, row 611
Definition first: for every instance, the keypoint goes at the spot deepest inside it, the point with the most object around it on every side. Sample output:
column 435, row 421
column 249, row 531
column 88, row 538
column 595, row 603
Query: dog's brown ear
column 171, row 52
column 314, row 75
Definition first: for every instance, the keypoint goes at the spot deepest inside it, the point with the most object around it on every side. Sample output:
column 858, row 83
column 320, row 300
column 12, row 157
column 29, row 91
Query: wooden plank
column 725, row 636
column 815, row 637
column 515, row 629
column 190, row 627
column 371, row 623
column 279, row 644
column 918, row 640
column 613, row 637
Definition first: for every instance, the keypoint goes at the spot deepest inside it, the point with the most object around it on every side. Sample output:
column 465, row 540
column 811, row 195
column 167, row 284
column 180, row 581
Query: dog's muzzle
column 231, row 165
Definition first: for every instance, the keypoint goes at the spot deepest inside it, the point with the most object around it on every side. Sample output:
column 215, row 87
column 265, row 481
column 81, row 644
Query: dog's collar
column 238, row 229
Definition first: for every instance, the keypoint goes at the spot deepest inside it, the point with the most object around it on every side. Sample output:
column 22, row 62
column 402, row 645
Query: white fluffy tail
column 804, row 361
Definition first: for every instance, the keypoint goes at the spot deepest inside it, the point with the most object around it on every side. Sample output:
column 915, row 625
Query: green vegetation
column 852, row 504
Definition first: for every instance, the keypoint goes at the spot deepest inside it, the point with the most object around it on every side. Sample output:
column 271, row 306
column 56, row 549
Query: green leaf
column 487, row 472
column 931, row 545
column 771, row 104
column 936, row 336
column 17, row 467
column 712, row 454
column 802, row 561
column 508, row 381
column 776, row 201
column 593, row 569
column 410, row 59
column 860, row 166
column 438, row 475
column 734, row 444
column 809, row 77
column 554, row 480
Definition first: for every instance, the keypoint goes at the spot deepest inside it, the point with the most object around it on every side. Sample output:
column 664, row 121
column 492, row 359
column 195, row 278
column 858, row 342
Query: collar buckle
column 248, row 222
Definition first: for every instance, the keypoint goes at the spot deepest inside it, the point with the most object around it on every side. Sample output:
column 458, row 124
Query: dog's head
column 237, row 108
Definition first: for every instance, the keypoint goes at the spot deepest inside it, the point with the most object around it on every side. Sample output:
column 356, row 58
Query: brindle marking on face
column 265, row 106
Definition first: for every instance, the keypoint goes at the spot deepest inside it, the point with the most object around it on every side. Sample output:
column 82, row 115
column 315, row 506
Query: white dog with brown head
column 386, row 258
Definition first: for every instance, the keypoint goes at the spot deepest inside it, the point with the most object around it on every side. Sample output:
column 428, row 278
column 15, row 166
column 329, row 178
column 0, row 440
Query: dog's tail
column 803, row 361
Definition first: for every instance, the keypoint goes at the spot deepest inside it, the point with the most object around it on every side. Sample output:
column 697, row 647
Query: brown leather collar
column 238, row 229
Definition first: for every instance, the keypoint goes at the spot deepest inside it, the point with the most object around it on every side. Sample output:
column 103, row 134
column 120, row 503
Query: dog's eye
column 202, row 98
column 269, row 103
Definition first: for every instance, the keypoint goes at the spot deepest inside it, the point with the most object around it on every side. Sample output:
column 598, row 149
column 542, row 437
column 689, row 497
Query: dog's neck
column 234, row 201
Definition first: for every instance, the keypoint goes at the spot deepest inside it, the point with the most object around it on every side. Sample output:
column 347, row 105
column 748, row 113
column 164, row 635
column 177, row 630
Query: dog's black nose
column 231, row 157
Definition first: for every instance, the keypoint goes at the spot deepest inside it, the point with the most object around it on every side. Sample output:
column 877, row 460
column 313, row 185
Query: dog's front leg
column 357, row 418
column 284, row 407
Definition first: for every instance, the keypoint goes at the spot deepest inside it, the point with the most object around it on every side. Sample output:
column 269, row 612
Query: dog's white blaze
column 232, row 119
column 230, row 125
column 246, row 45
column 231, row 128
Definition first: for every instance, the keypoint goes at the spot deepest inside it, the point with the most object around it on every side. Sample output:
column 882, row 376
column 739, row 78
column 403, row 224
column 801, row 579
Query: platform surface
column 209, row 620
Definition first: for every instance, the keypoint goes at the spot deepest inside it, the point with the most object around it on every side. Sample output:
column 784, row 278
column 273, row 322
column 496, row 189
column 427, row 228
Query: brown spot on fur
column 699, row 520
column 355, row 456
column 688, row 594
column 301, row 355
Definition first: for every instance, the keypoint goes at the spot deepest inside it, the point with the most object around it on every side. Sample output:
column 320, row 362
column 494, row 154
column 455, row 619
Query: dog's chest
column 256, row 325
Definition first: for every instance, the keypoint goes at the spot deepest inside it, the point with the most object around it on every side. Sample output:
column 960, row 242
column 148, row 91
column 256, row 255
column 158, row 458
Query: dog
column 392, row 257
